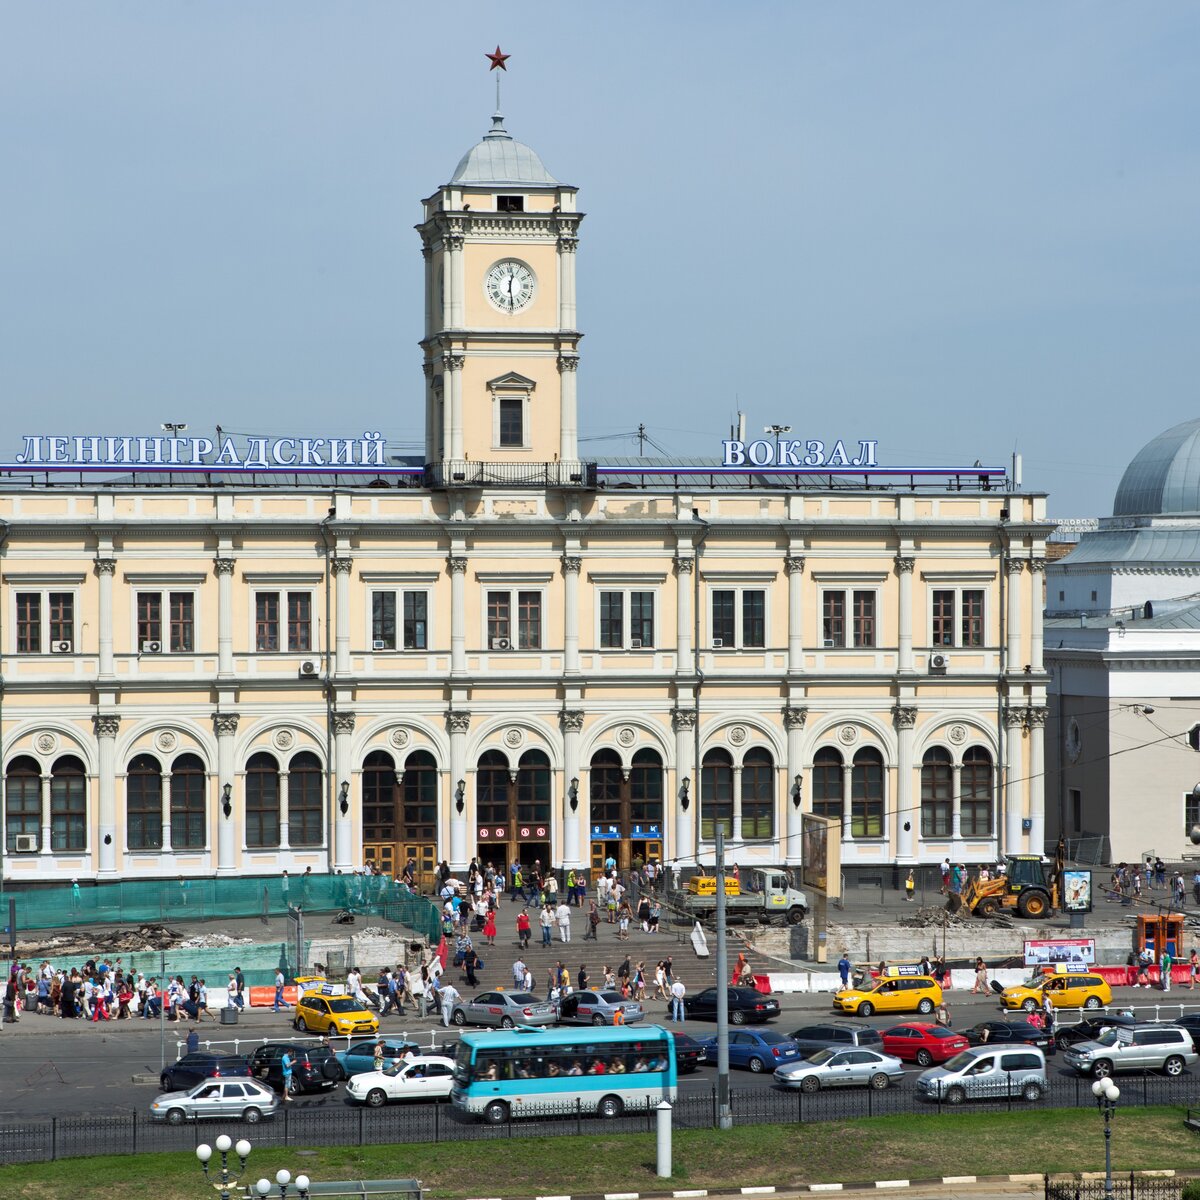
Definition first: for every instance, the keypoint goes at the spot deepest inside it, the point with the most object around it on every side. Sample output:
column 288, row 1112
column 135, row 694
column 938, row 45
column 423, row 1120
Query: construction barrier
column 264, row 997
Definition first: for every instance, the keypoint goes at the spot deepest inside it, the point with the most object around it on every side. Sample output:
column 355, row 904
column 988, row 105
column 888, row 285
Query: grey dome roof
column 500, row 159
column 1164, row 476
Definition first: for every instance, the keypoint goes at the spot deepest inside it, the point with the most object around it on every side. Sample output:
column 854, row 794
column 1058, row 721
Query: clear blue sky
column 958, row 228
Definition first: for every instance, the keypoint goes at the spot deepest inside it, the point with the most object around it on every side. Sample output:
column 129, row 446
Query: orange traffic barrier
column 264, row 997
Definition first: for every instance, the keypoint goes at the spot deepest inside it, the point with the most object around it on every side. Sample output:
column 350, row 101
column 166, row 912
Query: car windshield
column 344, row 1004
column 394, row 1069
column 1108, row 1038
column 462, row 1064
column 959, row 1061
column 821, row 1056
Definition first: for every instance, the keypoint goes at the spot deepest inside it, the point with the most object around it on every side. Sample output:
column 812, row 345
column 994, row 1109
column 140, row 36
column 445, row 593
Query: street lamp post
column 226, row 1181
column 1107, row 1094
column 283, row 1177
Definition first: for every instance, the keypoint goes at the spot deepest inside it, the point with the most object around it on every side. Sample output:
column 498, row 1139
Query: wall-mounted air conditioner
column 938, row 664
column 379, row 644
column 635, row 643
column 25, row 843
column 152, row 647
column 718, row 643
column 501, row 644
column 60, row 647
column 309, row 667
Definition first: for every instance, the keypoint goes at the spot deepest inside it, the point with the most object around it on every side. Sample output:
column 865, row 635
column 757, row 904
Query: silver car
column 987, row 1073
column 598, row 1008
column 841, row 1068
column 504, row 1009
column 1165, row 1048
column 232, row 1099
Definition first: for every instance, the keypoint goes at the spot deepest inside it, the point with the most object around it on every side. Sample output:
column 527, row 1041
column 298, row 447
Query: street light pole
column 226, row 1182
column 1107, row 1094
column 724, row 1112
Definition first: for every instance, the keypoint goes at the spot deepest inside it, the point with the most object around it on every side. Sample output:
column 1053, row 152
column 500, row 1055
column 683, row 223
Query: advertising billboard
column 1077, row 891
column 1053, row 952
column 821, row 847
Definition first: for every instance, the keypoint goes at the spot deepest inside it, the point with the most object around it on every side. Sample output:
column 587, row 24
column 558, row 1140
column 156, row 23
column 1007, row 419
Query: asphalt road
column 60, row 1068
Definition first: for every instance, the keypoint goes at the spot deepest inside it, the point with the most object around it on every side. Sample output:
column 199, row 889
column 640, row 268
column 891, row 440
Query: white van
column 987, row 1073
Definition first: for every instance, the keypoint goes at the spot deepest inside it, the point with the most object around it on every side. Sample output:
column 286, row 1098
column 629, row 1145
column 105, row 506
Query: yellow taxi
column 899, row 994
column 1070, row 989
column 327, row 1009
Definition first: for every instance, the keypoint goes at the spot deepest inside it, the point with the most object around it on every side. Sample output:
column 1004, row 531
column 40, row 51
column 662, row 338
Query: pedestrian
column 981, row 978
column 593, row 922
column 278, row 991
column 489, row 927
column 844, row 970
column 285, row 1066
column 193, row 1041
column 470, row 962
column 581, row 980
column 563, row 916
column 678, row 991
column 418, row 985
column 945, row 875
column 910, row 885
column 449, row 998
column 518, row 973
column 1165, row 964
column 523, row 929
column 1196, row 885
column 1048, row 1014
column 1193, row 969
column 546, row 921
column 239, row 983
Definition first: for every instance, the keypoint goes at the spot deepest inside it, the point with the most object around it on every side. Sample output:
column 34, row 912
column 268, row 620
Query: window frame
column 284, row 595
column 17, row 819
column 852, row 628
column 935, row 806
column 737, row 617
column 262, row 811
column 45, row 625
column 517, row 595
column 976, row 804
column 150, row 817
column 166, row 622
column 307, row 817
column 763, row 806
column 957, row 617
column 400, row 597
column 626, row 594
column 74, row 836
column 184, row 815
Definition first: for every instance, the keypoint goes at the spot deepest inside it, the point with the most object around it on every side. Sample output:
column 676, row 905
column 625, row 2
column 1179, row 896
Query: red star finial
column 497, row 60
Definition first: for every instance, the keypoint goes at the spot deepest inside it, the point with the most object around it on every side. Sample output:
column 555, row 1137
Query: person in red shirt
column 489, row 927
column 523, row 927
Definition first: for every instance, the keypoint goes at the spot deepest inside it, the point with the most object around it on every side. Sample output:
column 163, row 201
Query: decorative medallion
column 848, row 734
column 166, row 741
column 399, row 738
column 46, row 743
column 738, row 735
column 284, row 739
column 626, row 736
column 513, row 738
column 957, row 734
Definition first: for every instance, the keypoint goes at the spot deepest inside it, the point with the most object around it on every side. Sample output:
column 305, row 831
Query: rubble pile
column 213, row 941
column 97, row 941
column 934, row 916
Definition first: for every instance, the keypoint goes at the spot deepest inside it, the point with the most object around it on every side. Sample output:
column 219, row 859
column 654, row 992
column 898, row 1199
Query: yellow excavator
column 1026, row 886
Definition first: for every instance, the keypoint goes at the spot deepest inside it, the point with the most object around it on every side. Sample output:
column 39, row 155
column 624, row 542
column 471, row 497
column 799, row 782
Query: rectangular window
column 416, row 620
column 754, row 617
column 864, row 618
column 627, row 620
column 180, row 625
column 943, row 618
column 512, row 421
column 957, row 617
column 29, row 623
column 525, row 633
column 833, row 619
column 737, row 610
column 972, row 618
column 299, row 621
column 413, row 608
column 1191, row 812
column 268, row 610
column 1076, row 799
column 266, row 621
column 724, row 617
column 510, row 203
column 45, row 622
column 149, row 618
column 383, row 621
column 182, row 608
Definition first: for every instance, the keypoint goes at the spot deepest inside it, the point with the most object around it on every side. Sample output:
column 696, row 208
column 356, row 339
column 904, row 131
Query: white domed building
column 1122, row 647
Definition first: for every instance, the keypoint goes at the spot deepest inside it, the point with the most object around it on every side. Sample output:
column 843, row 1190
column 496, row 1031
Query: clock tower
column 500, row 345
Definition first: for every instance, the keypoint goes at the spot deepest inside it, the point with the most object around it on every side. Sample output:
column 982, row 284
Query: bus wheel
column 496, row 1113
column 610, row 1106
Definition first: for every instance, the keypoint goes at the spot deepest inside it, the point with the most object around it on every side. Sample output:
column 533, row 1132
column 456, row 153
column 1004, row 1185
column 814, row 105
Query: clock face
column 509, row 285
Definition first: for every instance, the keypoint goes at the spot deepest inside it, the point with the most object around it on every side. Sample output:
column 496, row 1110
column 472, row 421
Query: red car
column 923, row 1044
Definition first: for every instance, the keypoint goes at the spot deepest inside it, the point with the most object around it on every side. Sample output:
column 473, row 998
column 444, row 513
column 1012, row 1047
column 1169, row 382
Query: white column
column 847, row 800
column 904, row 572
column 427, row 255
column 285, row 832
column 568, row 430
column 1037, row 782
column 566, row 275
column 572, row 725
column 1037, row 572
column 683, row 613
column 460, row 723
column 571, row 564
column 737, row 804
column 794, row 565
column 341, row 576
column 956, row 807
column 343, row 822
column 1014, row 719
column 447, row 408
column 106, row 728
column 683, row 849
column 46, row 821
column 455, row 279
column 793, row 722
column 226, row 726
column 431, row 430
column 105, row 569
column 1015, row 567
column 166, row 812
column 224, row 570
column 905, row 720
column 457, row 565
column 456, row 407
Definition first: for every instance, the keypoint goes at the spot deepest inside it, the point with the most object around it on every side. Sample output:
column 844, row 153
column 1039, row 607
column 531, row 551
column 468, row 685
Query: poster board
column 821, row 854
column 1060, row 952
column 1077, row 891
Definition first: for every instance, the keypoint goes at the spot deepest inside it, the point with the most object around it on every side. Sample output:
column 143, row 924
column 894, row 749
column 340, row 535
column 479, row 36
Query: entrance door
column 647, row 849
column 383, row 855
column 425, row 856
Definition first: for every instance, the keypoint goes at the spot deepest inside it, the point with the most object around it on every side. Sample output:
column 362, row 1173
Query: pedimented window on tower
column 512, row 422
column 512, row 396
column 510, row 203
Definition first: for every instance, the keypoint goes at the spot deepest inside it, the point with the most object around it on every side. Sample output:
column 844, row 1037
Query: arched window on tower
column 189, row 812
column 866, row 794
column 716, row 795
column 420, row 797
column 533, row 788
column 68, row 804
column 827, row 783
column 379, row 797
column 758, row 795
column 304, row 800
column 143, row 803
column 23, row 803
column 937, row 792
column 605, row 780
column 262, row 802
column 976, row 802
column 491, row 789
column 646, row 790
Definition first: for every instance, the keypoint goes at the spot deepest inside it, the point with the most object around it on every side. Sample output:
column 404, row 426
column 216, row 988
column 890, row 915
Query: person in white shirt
column 562, row 915
column 450, row 997
column 678, row 991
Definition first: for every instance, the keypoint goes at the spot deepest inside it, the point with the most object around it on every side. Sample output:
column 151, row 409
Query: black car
column 1089, row 1029
column 689, row 1054
column 746, row 1006
column 1005, row 1033
column 313, row 1067
column 836, row 1035
column 195, row 1068
column 1190, row 1022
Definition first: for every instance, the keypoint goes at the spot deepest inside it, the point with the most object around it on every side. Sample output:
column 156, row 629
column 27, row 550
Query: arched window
column 758, row 795
column 262, row 802
column 420, row 797
column 491, row 788
column 866, row 794
column 23, row 802
column 533, row 787
column 646, row 790
column 976, row 803
column 143, row 803
column 716, row 795
column 937, row 793
column 68, row 805
column 827, row 783
column 379, row 797
column 304, row 800
column 605, row 780
column 189, row 785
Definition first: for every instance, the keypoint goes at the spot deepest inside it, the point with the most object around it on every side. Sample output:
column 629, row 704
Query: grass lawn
column 997, row 1143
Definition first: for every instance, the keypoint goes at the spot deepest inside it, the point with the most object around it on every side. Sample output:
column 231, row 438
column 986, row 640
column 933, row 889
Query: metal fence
column 1136, row 1185
column 337, row 1124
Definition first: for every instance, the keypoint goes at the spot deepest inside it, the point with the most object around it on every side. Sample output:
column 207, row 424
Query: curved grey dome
column 500, row 159
column 1164, row 476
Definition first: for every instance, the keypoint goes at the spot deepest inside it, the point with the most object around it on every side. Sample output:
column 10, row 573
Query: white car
column 229, row 1098
column 415, row 1078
